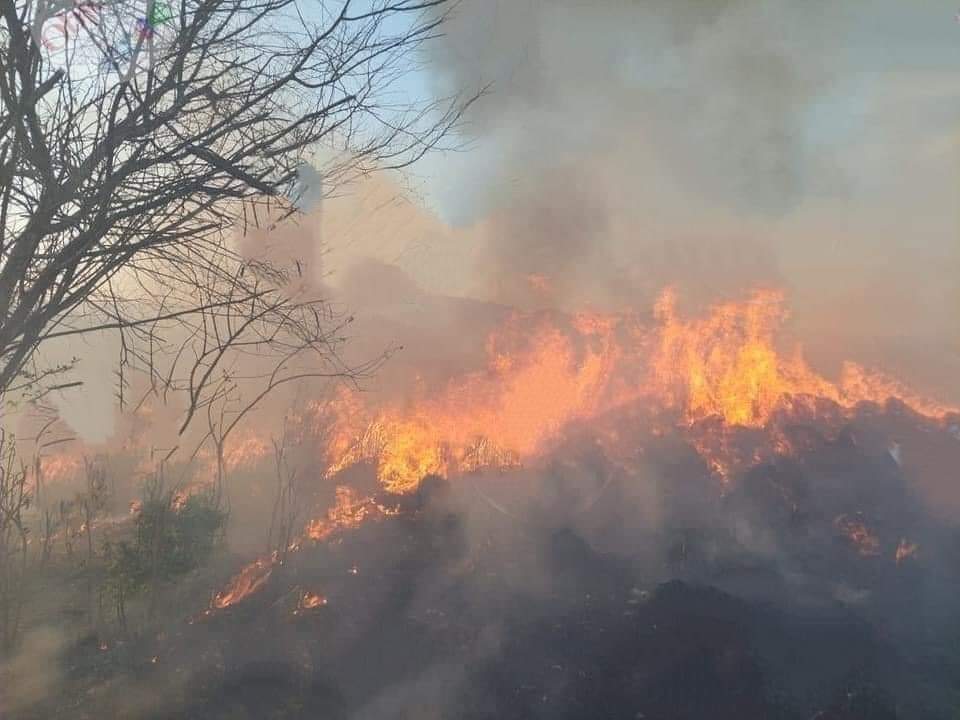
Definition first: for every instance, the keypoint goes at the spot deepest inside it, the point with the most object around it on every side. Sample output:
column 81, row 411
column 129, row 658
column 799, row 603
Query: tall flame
column 724, row 365
column 544, row 372
column 493, row 416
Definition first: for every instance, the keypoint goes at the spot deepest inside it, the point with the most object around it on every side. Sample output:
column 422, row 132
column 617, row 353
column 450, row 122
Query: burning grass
column 545, row 372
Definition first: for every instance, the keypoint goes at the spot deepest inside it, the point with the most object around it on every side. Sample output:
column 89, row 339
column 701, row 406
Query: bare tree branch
column 124, row 186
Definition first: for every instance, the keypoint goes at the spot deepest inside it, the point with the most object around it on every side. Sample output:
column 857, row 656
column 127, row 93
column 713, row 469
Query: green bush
column 170, row 540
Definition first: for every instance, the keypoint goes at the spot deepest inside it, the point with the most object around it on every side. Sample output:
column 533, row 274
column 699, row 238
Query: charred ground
column 538, row 593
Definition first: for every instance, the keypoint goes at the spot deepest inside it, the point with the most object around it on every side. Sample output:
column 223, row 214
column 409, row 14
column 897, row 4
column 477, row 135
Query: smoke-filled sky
column 711, row 144
column 714, row 145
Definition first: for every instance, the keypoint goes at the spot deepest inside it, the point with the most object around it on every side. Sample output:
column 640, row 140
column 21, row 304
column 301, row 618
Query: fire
column 545, row 371
column 311, row 600
column 859, row 535
column 726, row 364
column 246, row 450
column 182, row 494
column 349, row 511
column 862, row 385
column 492, row 417
column 905, row 549
column 708, row 376
column 57, row 468
column 248, row 581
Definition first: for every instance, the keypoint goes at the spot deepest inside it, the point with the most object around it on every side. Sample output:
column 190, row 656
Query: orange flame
column 57, row 468
column 349, row 511
column 862, row 385
column 859, row 535
column 311, row 600
column 492, row 417
column 546, row 371
column 726, row 364
column 246, row 450
column 539, row 379
column 245, row 583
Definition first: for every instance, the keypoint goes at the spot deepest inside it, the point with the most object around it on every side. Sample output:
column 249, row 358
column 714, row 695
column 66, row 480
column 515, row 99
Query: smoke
column 31, row 673
column 429, row 696
column 713, row 145
column 624, row 146
column 708, row 94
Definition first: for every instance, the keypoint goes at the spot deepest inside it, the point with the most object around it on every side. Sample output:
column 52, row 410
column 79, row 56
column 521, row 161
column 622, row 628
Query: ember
column 312, row 600
column 859, row 535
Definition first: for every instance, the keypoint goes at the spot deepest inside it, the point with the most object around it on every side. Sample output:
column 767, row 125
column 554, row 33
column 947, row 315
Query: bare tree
column 120, row 185
column 237, row 354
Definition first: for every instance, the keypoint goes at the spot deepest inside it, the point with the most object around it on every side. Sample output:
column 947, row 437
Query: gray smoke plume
column 715, row 145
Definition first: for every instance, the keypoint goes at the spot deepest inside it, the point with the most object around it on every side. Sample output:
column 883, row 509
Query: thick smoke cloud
column 711, row 145
column 716, row 145
column 713, row 91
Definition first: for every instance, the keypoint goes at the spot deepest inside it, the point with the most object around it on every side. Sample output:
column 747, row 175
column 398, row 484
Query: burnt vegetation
column 603, row 516
column 747, row 601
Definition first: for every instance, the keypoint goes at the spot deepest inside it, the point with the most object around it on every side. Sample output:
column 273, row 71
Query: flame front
column 506, row 412
column 706, row 376
column 348, row 512
column 726, row 363
column 545, row 372
column 245, row 583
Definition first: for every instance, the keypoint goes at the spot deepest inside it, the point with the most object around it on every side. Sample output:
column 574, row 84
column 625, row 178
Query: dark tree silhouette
column 125, row 180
